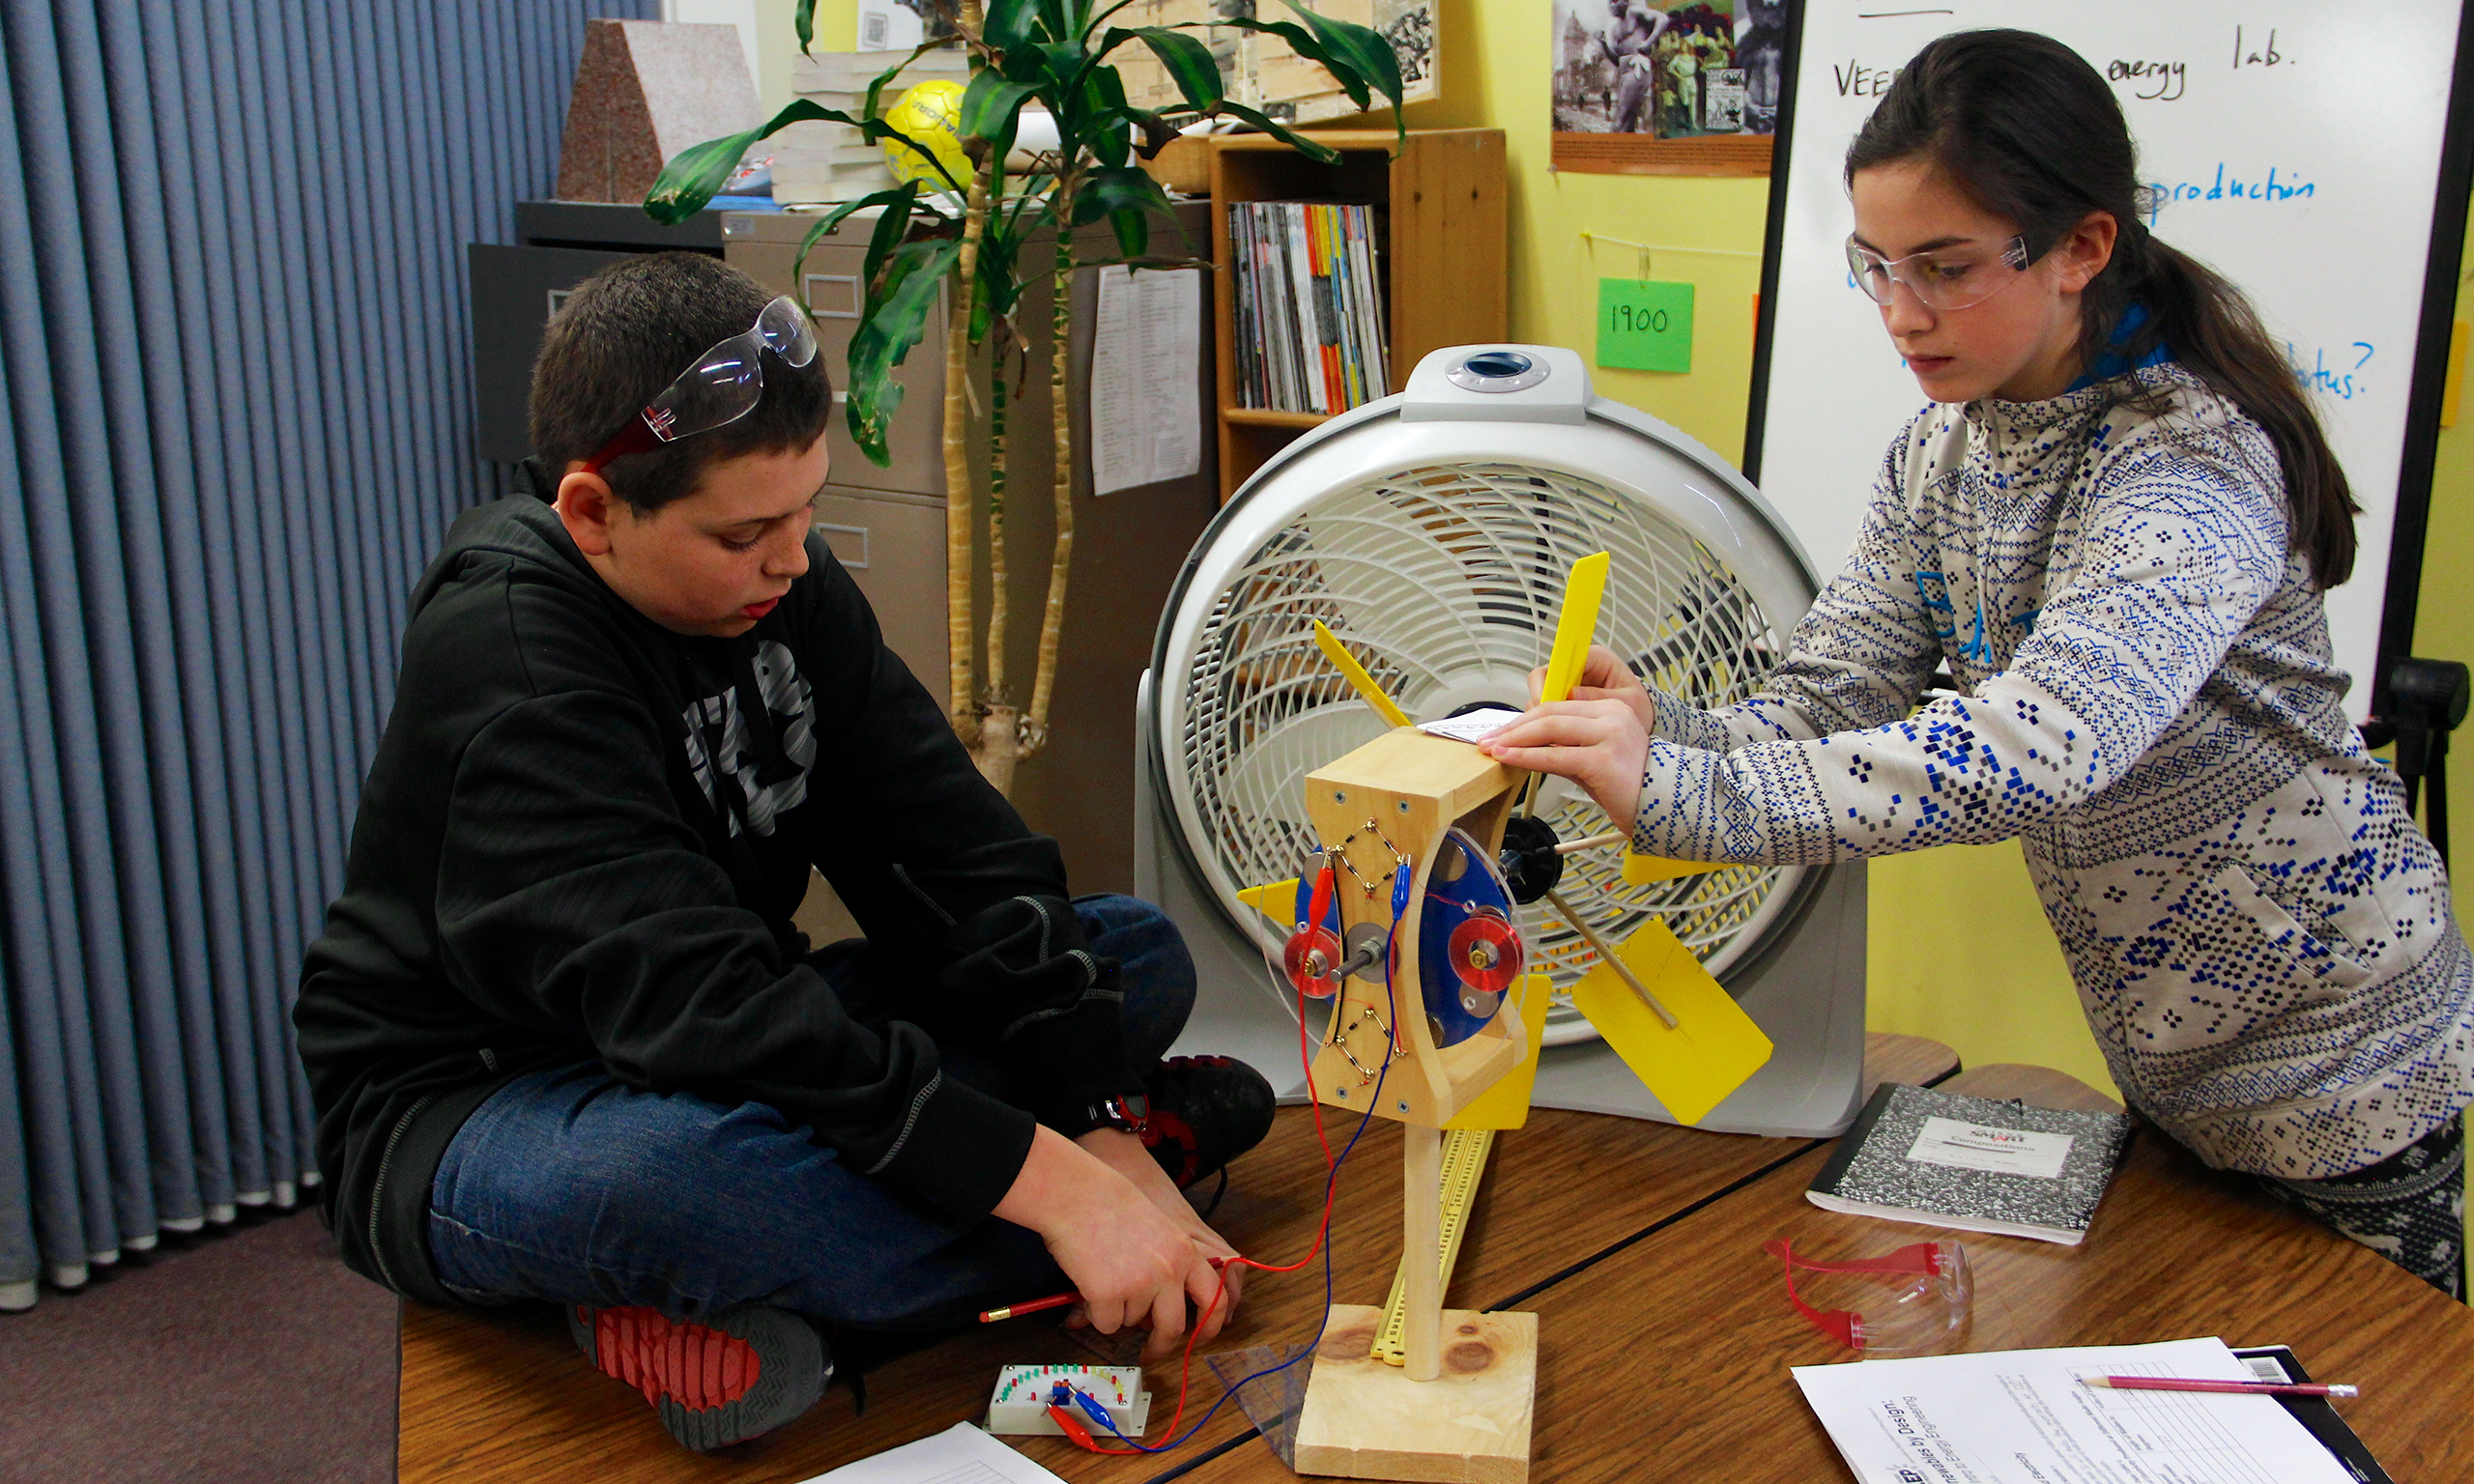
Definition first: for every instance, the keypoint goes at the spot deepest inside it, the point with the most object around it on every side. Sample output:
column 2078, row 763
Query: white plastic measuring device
column 1464, row 1162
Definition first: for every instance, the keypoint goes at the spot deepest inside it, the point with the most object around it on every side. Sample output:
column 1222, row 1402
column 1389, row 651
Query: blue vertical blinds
column 235, row 421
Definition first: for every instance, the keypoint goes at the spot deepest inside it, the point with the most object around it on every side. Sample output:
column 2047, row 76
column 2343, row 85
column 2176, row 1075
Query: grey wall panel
column 237, row 396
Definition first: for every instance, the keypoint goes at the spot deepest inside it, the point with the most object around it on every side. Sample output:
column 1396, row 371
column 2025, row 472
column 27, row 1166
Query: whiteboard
column 2296, row 148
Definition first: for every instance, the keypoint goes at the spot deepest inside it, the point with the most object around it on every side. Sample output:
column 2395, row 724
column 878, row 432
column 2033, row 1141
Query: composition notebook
column 1949, row 1159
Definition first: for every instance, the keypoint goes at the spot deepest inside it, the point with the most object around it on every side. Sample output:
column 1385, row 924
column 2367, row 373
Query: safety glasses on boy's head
column 1943, row 281
column 722, row 386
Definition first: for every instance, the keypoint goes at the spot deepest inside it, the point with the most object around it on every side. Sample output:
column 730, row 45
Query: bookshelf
column 1441, row 208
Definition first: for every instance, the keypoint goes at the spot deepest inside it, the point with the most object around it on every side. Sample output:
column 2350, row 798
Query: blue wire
column 1330, row 1181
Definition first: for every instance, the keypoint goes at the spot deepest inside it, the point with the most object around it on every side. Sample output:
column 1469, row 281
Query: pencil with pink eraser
column 2223, row 1388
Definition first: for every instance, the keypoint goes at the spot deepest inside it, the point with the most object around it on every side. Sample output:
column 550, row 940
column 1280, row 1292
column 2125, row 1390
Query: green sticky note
column 1644, row 327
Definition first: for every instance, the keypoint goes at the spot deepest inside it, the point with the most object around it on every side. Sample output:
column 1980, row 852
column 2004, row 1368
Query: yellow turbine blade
column 1645, row 870
column 1575, row 627
column 1274, row 899
column 1713, row 1047
column 1338, row 653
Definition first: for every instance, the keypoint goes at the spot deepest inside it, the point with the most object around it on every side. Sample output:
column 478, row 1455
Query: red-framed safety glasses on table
column 1900, row 1303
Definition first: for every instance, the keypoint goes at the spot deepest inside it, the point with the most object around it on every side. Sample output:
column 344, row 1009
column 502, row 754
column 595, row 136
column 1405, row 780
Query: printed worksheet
column 1147, row 354
column 2025, row 1417
column 1470, row 726
column 960, row 1454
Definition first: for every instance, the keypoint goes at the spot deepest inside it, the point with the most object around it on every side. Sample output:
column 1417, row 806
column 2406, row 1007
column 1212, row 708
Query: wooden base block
column 1368, row 1421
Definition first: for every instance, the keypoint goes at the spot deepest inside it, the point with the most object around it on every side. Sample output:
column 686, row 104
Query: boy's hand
column 1599, row 745
column 1125, row 1153
column 1131, row 1263
column 1604, row 677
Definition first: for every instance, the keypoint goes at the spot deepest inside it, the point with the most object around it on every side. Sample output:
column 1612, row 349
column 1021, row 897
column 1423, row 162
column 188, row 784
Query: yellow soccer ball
column 930, row 113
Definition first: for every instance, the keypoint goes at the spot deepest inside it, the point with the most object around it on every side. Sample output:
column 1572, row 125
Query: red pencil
column 1031, row 1306
column 2226, row 1387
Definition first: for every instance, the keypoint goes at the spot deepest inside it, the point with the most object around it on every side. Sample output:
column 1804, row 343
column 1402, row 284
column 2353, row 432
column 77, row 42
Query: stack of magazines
column 1309, row 305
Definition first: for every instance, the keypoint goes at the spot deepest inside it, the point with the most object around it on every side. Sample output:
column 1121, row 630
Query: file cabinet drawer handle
column 860, row 564
column 846, row 286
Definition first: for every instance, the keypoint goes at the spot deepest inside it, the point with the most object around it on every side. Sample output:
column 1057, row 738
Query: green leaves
column 991, row 103
column 1358, row 58
column 1125, row 195
column 893, row 320
column 898, row 203
column 1053, row 53
column 696, row 173
column 1189, row 62
column 1010, row 24
column 1348, row 50
column 1306, row 145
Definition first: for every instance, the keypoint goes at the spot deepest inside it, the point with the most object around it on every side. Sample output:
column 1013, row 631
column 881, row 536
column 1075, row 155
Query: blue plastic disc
column 1463, row 884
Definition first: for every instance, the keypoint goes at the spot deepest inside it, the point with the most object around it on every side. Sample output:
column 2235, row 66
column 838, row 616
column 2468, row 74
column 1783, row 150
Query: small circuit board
column 1020, row 1402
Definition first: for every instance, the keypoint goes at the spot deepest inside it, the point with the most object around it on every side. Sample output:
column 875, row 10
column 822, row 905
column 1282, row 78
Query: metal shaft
column 1604, row 952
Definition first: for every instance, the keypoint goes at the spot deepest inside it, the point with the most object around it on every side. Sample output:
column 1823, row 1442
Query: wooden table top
column 1639, row 1248
column 503, row 1396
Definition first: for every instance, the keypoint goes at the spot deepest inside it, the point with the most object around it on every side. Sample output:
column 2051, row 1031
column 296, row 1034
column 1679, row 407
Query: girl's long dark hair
column 2028, row 131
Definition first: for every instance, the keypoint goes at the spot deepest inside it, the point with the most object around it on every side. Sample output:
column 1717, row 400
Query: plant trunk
column 961, row 641
column 997, row 605
column 1059, row 346
column 999, row 747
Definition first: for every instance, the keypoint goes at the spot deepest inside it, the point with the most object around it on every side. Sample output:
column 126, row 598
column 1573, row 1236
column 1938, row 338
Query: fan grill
column 1446, row 581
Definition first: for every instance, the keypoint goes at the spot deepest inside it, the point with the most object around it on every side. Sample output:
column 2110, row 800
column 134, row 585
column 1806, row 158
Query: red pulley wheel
column 1312, row 961
column 1485, row 953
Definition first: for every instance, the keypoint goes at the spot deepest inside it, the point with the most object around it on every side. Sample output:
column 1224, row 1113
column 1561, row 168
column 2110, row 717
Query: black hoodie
column 547, row 868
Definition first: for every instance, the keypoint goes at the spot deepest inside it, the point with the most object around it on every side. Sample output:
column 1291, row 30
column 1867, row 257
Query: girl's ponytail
column 2029, row 132
column 2213, row 330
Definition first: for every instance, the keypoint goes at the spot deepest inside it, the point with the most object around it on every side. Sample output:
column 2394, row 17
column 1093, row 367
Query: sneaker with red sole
column 728, row 1377
column 1205, row 1112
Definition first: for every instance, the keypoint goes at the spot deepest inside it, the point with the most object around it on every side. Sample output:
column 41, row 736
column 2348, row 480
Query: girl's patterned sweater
column 2261, row 936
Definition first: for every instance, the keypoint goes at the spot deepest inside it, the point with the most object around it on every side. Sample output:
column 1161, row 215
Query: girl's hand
column 1130, row 1261
column 1599, row 745
column 1604, row 677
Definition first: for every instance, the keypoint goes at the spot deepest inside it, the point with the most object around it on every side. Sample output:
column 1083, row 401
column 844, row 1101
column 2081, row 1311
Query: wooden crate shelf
column 1441, row 205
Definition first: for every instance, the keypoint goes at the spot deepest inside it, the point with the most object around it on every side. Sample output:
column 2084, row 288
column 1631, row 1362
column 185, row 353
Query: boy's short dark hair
column 628, row 331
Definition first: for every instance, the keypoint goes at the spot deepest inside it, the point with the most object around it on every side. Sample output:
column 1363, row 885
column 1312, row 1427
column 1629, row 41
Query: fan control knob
column 1497, row 370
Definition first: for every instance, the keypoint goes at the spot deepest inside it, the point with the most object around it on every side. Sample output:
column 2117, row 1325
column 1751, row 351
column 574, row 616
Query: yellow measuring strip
column 1464, row 1160
column 1347, row 662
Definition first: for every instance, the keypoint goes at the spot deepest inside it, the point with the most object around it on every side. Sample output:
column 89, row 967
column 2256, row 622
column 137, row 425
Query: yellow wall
column 1959, row 948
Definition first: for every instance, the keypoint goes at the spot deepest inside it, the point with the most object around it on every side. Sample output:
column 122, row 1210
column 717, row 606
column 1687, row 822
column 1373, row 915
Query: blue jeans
column 570, row 1186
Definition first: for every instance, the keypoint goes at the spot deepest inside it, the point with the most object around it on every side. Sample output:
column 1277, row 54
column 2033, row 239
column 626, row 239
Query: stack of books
column 1309, row 305
column 815, row 162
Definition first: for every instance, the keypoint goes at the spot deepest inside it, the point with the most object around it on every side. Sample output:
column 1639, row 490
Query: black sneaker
column 1205, row 1112
column 732, row 1376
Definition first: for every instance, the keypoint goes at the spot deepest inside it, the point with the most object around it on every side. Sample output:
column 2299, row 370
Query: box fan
column 1431, row 532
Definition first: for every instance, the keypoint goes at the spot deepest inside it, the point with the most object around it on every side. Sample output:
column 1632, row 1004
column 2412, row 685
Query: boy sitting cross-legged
column 563, row 1041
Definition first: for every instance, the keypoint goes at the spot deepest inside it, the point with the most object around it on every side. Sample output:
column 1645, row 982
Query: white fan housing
column 1432, row 532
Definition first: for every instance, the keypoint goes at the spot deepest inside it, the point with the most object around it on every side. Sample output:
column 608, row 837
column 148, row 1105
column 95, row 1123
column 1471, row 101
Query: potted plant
column 966, row 229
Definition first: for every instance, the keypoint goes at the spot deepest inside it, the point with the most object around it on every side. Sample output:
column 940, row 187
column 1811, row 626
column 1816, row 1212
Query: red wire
column 1185, row 1370
column 1079, row 1435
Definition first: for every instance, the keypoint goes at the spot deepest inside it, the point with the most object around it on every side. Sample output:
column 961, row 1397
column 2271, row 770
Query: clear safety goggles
column 722, row 386
column 1943, row 281
column 1901, row 1304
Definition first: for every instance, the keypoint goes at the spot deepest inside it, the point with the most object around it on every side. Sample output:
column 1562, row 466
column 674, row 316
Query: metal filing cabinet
column 517, row 287
column 1128, row 546
column 887, row 525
